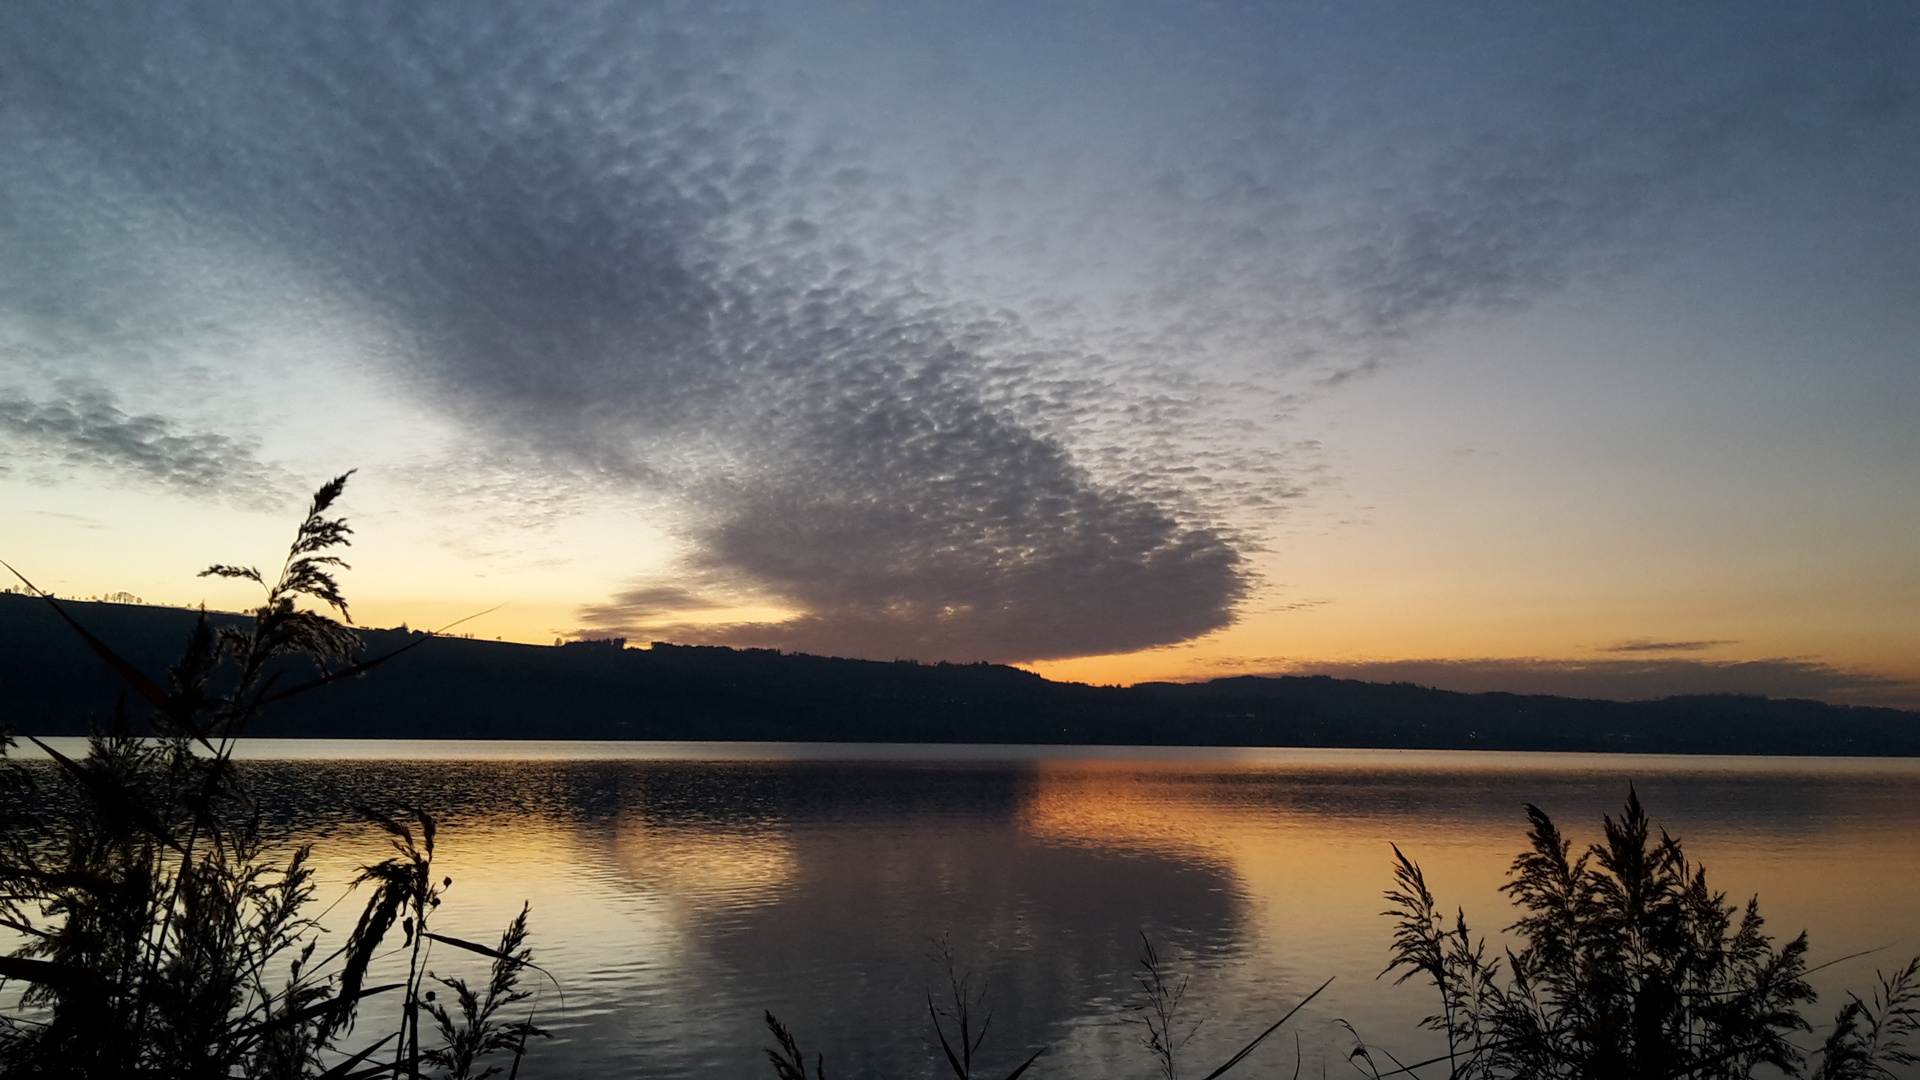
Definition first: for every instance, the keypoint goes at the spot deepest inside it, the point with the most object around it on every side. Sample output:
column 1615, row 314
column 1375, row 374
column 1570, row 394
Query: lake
column 681, row 890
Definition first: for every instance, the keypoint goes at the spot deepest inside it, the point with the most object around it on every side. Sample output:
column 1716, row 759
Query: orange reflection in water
column 1313, row 859
column 1310, row 880
column 709, row 866
column 684, row 898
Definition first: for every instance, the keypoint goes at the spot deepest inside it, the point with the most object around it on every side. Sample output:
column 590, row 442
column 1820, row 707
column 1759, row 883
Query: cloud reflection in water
column 676, row 900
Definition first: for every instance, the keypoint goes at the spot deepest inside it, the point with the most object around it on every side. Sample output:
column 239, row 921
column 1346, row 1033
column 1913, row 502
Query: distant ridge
column 50, row 684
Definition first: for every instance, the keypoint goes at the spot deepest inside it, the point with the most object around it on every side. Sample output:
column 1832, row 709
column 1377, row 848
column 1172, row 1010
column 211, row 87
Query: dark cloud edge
column 1631, row 679
column 84, row 428
column 1645, row 645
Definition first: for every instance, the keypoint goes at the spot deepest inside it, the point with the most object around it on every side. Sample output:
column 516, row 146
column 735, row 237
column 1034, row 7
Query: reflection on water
column 677, row 898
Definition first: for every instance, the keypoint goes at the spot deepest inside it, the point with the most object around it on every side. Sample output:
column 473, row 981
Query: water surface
column 680, row 890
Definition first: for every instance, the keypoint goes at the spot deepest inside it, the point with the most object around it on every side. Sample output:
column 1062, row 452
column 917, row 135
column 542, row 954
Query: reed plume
column 160, row 936
column 1630, row 966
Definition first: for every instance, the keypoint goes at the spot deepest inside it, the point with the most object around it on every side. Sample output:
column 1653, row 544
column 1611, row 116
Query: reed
column 1167, row 1030
column 1629, row 966
column 960, row 1026
column 480, row 1029
column 1161, row 991
column 161, row 935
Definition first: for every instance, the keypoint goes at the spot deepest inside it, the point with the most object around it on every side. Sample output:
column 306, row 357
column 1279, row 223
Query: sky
column 1562, row 348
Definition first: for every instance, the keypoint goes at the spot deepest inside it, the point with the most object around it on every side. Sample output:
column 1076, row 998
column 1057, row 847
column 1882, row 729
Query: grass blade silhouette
column 331, row 1005
column 1025, row 1065
column 48, row 973
column 347, row 1066
column 1258, row 1039
column 489, row 951
column 112, row 798
column 788, row 1062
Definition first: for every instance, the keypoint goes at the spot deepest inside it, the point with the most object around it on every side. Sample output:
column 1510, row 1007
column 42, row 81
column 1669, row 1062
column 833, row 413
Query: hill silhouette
column 51, row 684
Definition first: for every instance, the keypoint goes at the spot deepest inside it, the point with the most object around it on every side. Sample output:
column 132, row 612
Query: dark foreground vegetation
column 1630, row 966
column 160, row 937
column 459, row 688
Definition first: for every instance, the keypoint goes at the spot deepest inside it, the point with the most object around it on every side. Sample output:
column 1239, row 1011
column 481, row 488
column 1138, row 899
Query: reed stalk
column 154, row 920
column 1629, row 966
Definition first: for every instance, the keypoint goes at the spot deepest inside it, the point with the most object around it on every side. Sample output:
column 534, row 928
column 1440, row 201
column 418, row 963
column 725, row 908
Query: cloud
column 635, row 609
column 86, row 427
column 1634, row 680
column 913, row 389
column 1644, row 645
column 938, row 530
column 599, row 247
column 1349, row 177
